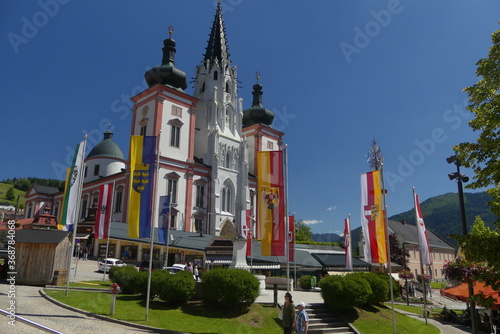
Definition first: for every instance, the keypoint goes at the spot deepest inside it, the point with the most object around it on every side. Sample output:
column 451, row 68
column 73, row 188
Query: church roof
column 217, row 43
column 167, row 74
column 257, row 114
column 107, row 148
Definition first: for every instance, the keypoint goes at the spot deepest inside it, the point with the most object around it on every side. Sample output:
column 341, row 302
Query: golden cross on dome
column 257, row 75
column 170, row 31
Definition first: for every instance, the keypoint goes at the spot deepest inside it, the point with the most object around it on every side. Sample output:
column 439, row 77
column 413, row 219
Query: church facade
column 207, row 146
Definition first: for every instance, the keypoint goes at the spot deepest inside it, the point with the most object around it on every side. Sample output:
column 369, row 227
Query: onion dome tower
column 257, row 114
column 105, row 159
column 167, row 74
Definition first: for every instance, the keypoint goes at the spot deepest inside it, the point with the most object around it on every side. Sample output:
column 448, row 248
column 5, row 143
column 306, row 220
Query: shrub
column 124, row 277
column 159, row 279
column 305, row 282
column 344, row 292
column 178, row 288
column 230, row 288
column 379, row 286
column 396, row 291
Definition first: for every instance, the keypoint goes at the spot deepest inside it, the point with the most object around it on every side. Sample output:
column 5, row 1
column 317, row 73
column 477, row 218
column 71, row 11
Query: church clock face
column 145, row 110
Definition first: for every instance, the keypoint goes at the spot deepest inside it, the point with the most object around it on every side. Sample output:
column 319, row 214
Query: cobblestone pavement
column 31, row 305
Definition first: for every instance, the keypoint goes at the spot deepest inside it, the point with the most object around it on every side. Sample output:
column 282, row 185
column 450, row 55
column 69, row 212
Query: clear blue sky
column 336, row 74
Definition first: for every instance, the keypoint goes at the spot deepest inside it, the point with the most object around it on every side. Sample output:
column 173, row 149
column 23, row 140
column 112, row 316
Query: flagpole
column 386, row 222
column 77, row 213
column 109, row 228
column 151, row 224
column 420, row 256
column 294, row 260
column 287, row 241
column 350, row 243
column 167, row 240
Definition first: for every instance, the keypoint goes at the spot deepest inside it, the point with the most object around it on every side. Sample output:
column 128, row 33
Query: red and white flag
column 425, row 253
column 103, row 211
column 347, row 244
column 246, row 229
column 291, row 238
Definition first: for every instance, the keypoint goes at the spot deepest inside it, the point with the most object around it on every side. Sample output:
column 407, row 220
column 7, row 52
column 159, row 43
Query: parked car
column 173, row 270
column 145, row 265
column 106, row 264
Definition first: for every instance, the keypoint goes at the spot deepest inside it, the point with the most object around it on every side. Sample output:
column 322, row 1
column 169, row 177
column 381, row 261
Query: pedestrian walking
column 288, row 310
column 302, row 319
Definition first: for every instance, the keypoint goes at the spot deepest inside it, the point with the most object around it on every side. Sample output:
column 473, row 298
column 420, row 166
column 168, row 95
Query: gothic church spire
column 217, row 44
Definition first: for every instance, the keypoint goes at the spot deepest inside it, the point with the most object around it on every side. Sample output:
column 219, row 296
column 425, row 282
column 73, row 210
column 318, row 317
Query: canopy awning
column 461, row 292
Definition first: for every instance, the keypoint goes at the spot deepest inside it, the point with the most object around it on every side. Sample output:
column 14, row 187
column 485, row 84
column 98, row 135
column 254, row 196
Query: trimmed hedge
column 230, row 288
column 344, row 292
column 178, row 288
column 396, row 291
column 379, row 286
column 124, row 277
column 305, row 282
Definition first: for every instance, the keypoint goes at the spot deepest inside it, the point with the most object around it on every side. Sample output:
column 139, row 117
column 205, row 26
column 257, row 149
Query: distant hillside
column 326, row 237
column 442, row 213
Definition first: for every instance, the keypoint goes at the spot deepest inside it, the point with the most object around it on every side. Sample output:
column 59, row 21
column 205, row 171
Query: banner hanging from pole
column 103, row 211
column 422, row 235
column 142, row 160
column 347, row 243
column 270, row 199
column 372, row 218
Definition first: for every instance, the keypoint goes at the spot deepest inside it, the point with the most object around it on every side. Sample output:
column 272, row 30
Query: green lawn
column 192, row 317
column 195, row 318
column 438, row 285
column 378, row 320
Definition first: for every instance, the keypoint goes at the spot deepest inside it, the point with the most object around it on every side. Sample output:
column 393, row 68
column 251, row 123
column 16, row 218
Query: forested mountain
column 442, row 213
column 327, row 237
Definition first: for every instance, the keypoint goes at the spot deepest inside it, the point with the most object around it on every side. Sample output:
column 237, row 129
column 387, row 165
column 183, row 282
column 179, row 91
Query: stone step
column 323, row 321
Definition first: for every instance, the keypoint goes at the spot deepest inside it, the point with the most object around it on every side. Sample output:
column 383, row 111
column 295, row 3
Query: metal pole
column 472, row 304
column 109, row 230
column 151, row 224
column 388, row 247
column 287, row 238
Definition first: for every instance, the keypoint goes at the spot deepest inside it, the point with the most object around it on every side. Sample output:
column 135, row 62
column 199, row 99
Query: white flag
column 72, row 191
column 422, row 235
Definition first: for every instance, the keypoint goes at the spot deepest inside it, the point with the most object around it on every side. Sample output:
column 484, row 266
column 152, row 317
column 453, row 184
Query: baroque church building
column 207, row 150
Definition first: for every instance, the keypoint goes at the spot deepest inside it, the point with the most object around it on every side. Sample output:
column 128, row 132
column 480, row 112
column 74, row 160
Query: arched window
column 227, row 197
column 203, row 88
column 227, row 87
column 216, row 75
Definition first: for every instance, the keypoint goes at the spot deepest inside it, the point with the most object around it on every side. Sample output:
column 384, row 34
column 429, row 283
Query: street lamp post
column 460, row 177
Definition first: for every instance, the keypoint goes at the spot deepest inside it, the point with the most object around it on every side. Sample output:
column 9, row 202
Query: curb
column 102, row 317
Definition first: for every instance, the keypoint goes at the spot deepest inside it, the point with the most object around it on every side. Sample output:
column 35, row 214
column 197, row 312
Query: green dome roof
column 107, row 148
